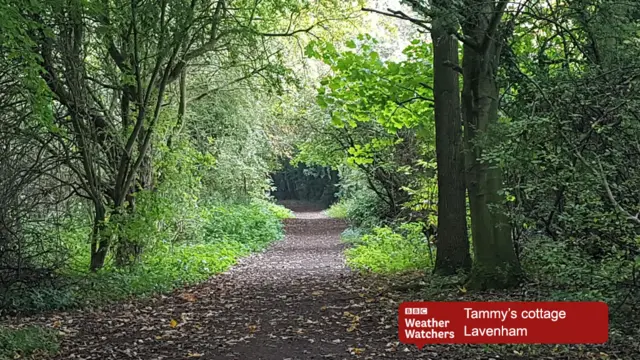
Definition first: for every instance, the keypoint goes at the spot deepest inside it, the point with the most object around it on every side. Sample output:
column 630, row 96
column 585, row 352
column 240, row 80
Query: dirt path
column 295, row 301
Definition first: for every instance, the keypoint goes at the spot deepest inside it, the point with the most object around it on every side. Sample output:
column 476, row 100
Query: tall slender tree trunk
column 452, row 242
column 495, row 262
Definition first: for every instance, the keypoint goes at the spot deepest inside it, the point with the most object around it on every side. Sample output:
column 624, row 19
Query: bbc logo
column 415, row 311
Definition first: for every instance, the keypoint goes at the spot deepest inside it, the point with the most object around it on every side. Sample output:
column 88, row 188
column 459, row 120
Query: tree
column 495, row 262
column 452, row 242
column 33, row 189
column 571, row 126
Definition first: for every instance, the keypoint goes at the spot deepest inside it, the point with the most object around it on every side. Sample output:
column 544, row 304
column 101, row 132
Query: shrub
column 280, row 212
column 251, row 225
column 337, row 210
column 351, row 236
column 365, row 209
column 571, row 275
column 386, row 250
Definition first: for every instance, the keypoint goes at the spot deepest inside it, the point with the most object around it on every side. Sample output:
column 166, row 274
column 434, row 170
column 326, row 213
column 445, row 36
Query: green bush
column 365, row 209
column 251, row 225
column 338, row 210
column 25, row 342
column 571, row 275
column 386, row 250
column 351, row 236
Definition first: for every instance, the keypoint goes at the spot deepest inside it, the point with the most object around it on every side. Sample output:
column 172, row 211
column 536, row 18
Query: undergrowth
column 228, row 232
column 337, row 210
column 26, row 342
column 556, row 272
column 386, row 250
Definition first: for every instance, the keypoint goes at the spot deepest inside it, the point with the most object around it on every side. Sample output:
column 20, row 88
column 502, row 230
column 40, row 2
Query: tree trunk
column 127, row 253
column 100, row 240
column 452, row 242
column 495, row 262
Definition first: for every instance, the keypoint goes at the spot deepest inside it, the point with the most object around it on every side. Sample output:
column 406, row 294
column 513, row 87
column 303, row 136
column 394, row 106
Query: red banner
column 424, row 323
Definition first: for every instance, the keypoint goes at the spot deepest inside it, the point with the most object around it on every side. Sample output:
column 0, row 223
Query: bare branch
column 247, row 76
column 400, row 15
column 600, row 174
column 288, row 33
column 424, row 24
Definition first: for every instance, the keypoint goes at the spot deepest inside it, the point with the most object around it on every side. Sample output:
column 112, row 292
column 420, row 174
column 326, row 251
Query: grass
column 26, row 342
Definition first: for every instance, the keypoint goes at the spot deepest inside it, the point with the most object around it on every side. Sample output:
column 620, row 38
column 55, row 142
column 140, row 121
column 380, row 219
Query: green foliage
column 338, row 210
column 366, row 88
column 379, row 122
column 351, row 235
column 228, row 231
column 24, row 342
column 570, row 276
column 365, row 209
column 387, row 251
column 569, row 173
column 316, row 184
column 280, row 212
column 251, row 225
column 233, row 128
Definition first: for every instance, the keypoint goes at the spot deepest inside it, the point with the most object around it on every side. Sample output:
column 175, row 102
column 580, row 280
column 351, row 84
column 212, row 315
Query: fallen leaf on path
column 188, row 297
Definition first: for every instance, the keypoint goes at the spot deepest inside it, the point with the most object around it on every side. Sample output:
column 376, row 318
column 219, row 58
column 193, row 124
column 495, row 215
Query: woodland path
column 297, row 300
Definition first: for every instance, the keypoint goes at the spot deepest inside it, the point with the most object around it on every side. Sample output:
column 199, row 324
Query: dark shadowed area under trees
column 315, row 184
column 271, row 179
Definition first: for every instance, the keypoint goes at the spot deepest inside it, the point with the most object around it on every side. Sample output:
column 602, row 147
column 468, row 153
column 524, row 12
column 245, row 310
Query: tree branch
column 421, row 23
column 247, row 76
column 288, row 33
column 400, row 15
column 490, row 34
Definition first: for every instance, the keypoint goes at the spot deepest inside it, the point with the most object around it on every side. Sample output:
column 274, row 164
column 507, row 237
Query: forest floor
column 298, row 300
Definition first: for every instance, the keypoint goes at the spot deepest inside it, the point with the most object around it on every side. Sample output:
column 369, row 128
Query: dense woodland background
column 143, row 143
